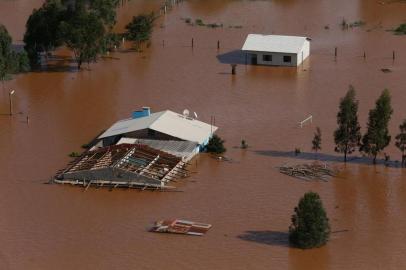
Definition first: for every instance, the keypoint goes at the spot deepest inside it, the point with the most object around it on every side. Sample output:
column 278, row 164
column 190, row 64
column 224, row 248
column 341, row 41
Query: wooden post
column 28, row 120
column 393, row 55
column 193, row 43
column 365, row 55
column 218, row 44
column 335, row 52
column 233, row 69
column 11, row 103
column 163, row 43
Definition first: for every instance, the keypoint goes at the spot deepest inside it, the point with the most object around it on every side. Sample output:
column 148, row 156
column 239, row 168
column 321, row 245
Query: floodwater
column 248, row 202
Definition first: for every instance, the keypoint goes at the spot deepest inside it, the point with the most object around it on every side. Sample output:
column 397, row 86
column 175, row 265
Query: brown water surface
column 248, row 202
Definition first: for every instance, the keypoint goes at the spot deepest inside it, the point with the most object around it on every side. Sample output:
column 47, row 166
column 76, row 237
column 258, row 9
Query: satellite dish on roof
column 195, row 115
column 186, row 112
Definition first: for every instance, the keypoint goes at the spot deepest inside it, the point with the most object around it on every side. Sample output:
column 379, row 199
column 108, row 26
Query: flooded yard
column 248, row 202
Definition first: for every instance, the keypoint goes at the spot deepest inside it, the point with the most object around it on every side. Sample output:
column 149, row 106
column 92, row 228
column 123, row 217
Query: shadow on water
column 233, row 57
column 273, row 238
column 327, row 158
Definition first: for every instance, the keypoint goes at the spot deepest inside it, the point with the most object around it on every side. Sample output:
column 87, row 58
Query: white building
column 168, row 131
column 276, row 50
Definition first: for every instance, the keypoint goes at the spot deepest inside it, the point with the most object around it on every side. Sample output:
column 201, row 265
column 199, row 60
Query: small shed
column 276, row 50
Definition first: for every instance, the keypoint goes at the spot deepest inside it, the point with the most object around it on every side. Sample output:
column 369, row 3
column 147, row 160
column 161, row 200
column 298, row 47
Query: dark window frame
column 267, row 57
column 287, row 59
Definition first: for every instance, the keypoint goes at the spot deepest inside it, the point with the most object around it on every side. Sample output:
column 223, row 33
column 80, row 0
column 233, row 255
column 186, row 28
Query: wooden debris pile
column 308, row 172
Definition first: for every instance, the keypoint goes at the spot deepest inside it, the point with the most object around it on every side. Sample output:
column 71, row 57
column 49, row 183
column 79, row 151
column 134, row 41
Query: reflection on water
column 248, row 201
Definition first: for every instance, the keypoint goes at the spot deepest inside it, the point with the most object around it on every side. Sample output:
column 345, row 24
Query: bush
column 310, row 226
column 216, row 145
column 401, row 29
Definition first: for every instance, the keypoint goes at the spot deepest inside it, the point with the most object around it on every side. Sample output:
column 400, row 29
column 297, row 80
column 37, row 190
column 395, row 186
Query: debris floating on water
column 315, row 171
column 180, row 226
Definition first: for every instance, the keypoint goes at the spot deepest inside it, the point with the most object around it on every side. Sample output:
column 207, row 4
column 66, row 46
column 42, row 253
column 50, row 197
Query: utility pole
column 11, row 101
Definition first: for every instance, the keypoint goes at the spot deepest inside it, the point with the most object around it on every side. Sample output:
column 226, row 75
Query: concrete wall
column 277, row 58
column 304, row 53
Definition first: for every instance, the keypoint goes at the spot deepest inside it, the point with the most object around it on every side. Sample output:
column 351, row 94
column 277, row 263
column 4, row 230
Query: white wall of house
column 276, row 59
column 304, row 53
column 281, row 59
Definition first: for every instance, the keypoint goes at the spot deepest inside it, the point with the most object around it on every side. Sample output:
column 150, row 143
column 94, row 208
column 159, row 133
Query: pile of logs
column 308, row 172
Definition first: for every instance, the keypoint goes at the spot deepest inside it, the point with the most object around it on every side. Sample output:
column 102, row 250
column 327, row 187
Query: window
column 267, row 58
column 287, row 58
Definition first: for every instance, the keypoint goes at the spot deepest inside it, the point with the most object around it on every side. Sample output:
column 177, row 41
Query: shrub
column 310, row 226
column 216, row 145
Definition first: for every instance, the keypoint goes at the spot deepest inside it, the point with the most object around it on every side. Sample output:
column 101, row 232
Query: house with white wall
column 276, row 50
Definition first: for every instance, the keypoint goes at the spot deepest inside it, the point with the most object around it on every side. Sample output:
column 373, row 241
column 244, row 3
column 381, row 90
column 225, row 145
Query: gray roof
column 167, row 122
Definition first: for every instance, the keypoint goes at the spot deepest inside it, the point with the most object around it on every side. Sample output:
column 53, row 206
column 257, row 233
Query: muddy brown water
column 248, row 202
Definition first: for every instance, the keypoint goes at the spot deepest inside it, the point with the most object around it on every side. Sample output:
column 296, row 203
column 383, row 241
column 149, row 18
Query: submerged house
column 276, row 50
column 124, row 165
column 148, row 150
column 165, row 130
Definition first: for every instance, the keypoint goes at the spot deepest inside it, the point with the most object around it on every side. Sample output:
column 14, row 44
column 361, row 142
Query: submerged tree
column 84, row 34
column 310, row 226
column 347, row 136
column 42, row 29
column 401, row 141
column 11, row 62
column 140, row 28
column 216, row 145
column 316, row 142
column 377, row 136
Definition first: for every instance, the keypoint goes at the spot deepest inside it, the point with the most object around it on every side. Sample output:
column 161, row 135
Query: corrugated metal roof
column 274, row 43
column 129, row 125
column 176, row 148
column 167, row 122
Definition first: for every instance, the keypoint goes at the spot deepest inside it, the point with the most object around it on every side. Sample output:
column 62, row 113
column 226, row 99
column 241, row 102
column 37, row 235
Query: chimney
column 146, row 111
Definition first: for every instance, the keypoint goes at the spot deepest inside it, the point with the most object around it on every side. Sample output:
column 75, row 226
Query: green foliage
column 84, row 35
column 140, row 28
column 74, row 154
column 401, row 141
column 377, row 136
column 401, row 29
column 105, row 10
column 199, row 22
column 82, row 25
column 216, row 145
column 11, row 62
column 347, row 136
column 316, row 142
column 310, row 226
column 42, row 29
column 5, row 53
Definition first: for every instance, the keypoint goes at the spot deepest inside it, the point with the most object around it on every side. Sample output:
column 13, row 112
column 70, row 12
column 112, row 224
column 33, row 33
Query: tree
column 11, row 62
column 347, row 136
column 310, row 225
column 42, row 30
column 84, row 34
column 140, row 28
column 401, row 141
column 316, row 142
column 377, row 136
column 5, row 53
column 216, row 145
